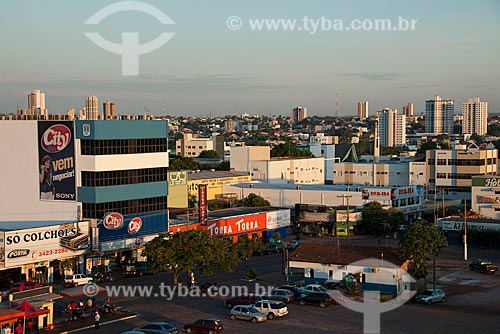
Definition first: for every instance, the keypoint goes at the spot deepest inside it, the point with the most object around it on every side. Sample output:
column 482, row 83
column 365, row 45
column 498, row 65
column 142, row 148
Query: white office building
column 392, row 127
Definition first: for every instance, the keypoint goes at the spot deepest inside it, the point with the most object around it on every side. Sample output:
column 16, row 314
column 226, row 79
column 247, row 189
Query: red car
column 207, row 326
column 21, row 286
column 242, row 300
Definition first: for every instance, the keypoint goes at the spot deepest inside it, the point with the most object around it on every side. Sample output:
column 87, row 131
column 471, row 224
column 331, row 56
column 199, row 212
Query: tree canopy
column 182, row 163
column 417, row 242
column 288, row 150
column 188, row 250
column 208, row 154
column 378, row 220
column 253, row 200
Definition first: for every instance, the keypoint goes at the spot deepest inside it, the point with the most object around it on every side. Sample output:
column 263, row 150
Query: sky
column 207, row 68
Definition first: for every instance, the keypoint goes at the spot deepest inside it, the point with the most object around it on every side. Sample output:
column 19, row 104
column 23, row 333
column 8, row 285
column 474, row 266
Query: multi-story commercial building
column 231, row 125
column 408, row 110
column 298, row 114
column 381, row 173
column 89, row 189
column 392, row 128
column 451, row 171
column 289, row 170
column 475, row 117
column 91, row 107
column 191, row 147
column 109, row 110
column 241, row 157
column 363, row 110
column 439, row 115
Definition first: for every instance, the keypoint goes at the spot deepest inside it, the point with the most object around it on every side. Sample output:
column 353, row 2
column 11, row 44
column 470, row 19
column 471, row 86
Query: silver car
column 431, row 296
column 247, row 312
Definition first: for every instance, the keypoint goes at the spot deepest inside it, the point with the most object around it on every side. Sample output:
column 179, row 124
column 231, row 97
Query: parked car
column 76, row 280
column 483, row 266
column 21, row 286
column 281, row 295
column 132, row 332
column 207, row 326
column 431, row 296
column 293, row 244
column 157, row 328
column 247, row 312
column 321, row 299
column 271, row 308
column 249, row 299
column 314, row 288
column 296, row 291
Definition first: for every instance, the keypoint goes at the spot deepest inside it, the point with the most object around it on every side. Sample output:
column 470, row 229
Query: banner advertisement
column 202, row 203
column 56, row 160
column 278, row 219
column 46, row 243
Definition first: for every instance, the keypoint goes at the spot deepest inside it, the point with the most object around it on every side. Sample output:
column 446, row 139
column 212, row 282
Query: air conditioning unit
column 374, row 270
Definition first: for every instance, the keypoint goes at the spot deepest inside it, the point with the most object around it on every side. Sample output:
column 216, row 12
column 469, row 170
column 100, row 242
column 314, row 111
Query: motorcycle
column 101, row 278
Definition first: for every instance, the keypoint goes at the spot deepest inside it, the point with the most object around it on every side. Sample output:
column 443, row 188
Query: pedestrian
column 19, row 328
column 97, row 318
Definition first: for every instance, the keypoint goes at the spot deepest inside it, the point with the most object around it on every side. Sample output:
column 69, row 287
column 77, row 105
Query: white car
column 76, row 280
column 314, row 288
column 431, row 296
column 271, row 308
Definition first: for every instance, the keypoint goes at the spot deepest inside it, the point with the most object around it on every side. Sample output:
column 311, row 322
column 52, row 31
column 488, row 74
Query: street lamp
column 465, row 229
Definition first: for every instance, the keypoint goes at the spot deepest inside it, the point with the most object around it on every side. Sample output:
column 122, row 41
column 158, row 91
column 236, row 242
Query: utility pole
column 337, row 105
column 348, row 225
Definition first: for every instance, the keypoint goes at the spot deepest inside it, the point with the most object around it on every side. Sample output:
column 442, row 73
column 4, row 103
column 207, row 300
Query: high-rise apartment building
column 475, row 116
column 92, row 107
column 298, row 114
column 36, row 103
column 408, row 110
column 109, row 110
column 363, row 110
column 439, row 115
column 392, row 127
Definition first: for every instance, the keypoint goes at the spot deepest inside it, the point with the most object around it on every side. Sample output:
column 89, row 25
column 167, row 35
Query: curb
column 102, row 324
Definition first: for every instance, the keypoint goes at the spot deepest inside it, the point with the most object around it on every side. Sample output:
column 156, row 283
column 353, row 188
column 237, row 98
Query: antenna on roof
column 337, row 105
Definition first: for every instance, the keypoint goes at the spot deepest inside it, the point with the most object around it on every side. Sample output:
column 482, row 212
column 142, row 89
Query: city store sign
column 237, row 225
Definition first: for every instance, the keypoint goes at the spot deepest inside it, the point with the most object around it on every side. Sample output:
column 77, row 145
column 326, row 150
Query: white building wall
column 241, row 156
column 20, row 194
column 285, row 171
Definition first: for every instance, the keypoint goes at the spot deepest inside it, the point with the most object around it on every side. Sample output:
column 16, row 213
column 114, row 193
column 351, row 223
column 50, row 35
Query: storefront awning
column 79, row 291
column 8, row 315
column 31, row 311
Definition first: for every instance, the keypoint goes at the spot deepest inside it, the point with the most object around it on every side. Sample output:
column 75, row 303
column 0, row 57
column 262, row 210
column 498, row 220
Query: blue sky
column 454, row 52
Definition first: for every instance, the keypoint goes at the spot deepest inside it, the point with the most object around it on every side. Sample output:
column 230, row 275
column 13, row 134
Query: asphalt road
column 451, row 317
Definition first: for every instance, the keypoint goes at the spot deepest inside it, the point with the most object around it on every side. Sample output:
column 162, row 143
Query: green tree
column 430, row 145
column 494, row 129
column 225, row 165
column 417, row 242
column 217, row 204
column 246, row 247
column 288, row 150
column 182, row 163
column 253, row 200
column 394, row 218
column 188, row 250
column 374, row 217
column 208, row 154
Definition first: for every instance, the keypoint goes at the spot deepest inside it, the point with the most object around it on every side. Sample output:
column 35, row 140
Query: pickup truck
column 138, row 269
column 484, row 266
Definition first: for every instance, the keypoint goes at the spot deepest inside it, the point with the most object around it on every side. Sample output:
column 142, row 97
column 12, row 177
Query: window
column 441, row 162
column 123, row 146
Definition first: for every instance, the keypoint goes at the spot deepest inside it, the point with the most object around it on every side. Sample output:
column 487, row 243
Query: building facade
column 191, row 147
column 298, row 114
column 240, row 157
column 380, row 173
column 289, row 170
column 439, row 115
column 363, row 110
column 451, row 171
column 392, row 128
column 408, row 110
column 109, row 110
column 91, row 107
column 475, row 117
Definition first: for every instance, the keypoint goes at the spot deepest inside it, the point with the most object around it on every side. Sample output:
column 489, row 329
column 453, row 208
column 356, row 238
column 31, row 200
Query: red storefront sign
column 202, row 203
column 238, row 225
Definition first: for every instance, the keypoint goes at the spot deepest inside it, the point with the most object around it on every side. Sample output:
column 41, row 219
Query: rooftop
column 329, row 254
column 19, row 225
column 214, row 175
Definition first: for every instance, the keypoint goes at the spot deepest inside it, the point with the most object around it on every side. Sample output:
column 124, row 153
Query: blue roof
column 19, row 225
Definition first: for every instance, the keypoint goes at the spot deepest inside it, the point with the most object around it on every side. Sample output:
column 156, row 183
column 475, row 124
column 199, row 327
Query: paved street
column 471, row 307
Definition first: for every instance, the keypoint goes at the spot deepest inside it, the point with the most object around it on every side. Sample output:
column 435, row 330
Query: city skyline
column 209, row 69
